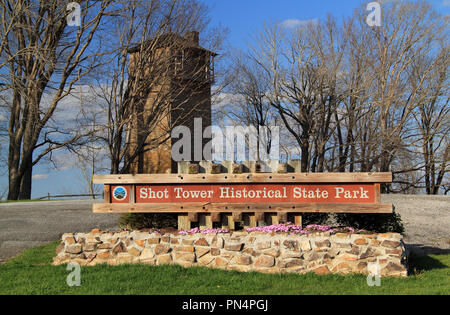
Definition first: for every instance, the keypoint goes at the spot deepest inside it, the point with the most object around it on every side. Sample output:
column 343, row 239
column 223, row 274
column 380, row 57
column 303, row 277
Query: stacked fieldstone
column 320, row 252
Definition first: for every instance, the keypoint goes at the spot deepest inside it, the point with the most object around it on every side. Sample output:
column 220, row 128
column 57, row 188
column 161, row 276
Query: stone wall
column 321, row 253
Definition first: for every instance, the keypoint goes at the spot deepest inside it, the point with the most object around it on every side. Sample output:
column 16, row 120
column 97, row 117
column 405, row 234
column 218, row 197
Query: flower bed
column 288, row 228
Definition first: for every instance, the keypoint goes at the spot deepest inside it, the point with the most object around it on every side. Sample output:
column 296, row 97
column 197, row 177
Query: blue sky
column 242, row 18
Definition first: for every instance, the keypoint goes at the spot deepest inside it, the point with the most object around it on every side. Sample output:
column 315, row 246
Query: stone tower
column 184, row 87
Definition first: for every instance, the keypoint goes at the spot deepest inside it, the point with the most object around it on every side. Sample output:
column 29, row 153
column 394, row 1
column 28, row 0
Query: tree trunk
column 305, row 157
column 25, row 183
column 13, row 170
column 384, row 167
column 14, row 186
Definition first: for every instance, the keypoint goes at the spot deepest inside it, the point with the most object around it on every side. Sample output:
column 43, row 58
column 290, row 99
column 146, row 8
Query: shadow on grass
column 419, row 264
column 423, row 250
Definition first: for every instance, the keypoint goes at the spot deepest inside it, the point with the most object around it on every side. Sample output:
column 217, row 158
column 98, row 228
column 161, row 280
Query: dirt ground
column 426, row 220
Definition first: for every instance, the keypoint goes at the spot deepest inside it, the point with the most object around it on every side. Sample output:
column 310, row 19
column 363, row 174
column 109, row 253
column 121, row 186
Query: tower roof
column 190, row 40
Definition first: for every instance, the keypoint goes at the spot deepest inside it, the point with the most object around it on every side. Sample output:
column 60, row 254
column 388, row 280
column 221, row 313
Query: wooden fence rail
column 48, row 197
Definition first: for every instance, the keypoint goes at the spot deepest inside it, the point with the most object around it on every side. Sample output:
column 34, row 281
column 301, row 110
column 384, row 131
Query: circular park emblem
column 119, row 193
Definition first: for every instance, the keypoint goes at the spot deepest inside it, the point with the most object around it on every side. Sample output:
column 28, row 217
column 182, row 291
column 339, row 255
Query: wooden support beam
column 242, row 207
column 253, row 222
column 227, row 167
column 249, row 220
column 272, row 218
column 205, row 167
column 183, row 168
column 231, row 223
column 298, row 220
column 107, row 194
column 132, row 194
column 183, row 218
column 205, row 221
column 282, row 217
column 377, row 193
column 224, row 220
column 311, row 178
column 227, row 221
column 183, row 222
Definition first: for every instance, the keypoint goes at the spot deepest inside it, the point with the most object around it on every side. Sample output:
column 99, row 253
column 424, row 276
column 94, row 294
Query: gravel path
column 25, row 225
column 426, row 220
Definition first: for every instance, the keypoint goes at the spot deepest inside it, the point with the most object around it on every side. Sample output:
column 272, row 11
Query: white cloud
column 446, row 3
column 65, row 161
column 40, row 176
column 295, row 23
column 224, row 100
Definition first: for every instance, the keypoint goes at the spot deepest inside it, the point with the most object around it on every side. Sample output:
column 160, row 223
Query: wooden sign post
column 207, row 197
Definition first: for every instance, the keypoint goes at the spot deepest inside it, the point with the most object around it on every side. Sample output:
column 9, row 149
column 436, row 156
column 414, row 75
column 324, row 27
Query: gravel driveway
column 426, row 220
column 24, row 225
column 28, row 224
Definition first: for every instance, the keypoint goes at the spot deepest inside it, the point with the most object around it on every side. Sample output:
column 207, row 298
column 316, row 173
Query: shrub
column 379, row 223
column 314, row 218
column 138, row 221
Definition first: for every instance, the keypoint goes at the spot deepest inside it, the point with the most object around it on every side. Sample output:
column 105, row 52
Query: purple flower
column 288, row 228
column 206, row 231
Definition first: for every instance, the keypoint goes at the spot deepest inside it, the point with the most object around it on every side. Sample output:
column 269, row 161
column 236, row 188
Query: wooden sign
column 251, row 193
column 237, row 193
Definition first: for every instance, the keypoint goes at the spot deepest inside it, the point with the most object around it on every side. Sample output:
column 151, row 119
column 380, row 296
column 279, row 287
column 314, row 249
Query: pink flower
column 206, row 231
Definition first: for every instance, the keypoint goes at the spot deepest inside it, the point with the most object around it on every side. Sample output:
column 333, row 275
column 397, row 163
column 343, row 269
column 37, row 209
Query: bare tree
column 409, row 31
column 92, row 157
column 432, row 118
column 41, row 59
column 247, row 102
column 357, row 98
column 303, row 67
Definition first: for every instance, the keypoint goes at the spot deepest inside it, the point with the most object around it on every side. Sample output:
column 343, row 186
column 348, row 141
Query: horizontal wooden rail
column 244, row 178
column 69, row 196
column 242, row 207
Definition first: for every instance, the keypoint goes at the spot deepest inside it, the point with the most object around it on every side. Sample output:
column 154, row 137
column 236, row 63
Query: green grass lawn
column 30, row 273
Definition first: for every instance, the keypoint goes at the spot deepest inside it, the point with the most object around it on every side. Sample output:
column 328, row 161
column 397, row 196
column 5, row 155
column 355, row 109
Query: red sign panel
column 239, row 193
